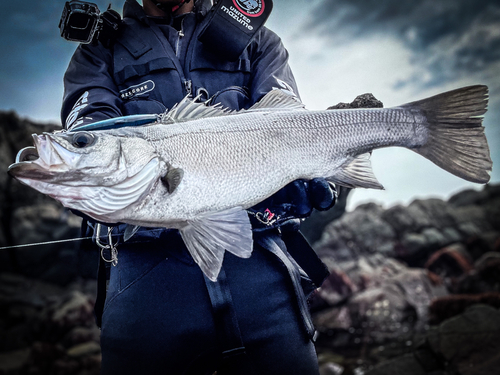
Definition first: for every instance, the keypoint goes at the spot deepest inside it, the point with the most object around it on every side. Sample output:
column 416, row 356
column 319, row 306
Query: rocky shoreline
column 412, row 285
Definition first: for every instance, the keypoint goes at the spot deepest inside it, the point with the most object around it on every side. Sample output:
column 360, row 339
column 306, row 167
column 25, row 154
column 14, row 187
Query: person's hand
column 300, row 197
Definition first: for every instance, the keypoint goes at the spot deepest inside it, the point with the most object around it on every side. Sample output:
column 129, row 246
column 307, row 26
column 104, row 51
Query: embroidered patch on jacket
column 250, row 8
column 137, row 90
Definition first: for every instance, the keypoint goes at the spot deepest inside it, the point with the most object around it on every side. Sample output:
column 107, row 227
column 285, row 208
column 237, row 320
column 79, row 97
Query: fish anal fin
column 209, row 236
column 357, row 173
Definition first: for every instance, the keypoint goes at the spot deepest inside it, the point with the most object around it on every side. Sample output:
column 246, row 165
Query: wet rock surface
column 46, row 328
column 411, row 288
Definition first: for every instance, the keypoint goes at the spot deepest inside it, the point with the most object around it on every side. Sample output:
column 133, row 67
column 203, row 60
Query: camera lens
column 79, row 21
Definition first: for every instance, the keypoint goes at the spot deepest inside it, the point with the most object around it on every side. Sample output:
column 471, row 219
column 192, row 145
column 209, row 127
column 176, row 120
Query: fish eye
column 82, row 139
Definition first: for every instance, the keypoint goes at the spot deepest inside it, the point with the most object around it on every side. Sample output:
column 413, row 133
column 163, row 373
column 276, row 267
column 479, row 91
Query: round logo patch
column 250, row 8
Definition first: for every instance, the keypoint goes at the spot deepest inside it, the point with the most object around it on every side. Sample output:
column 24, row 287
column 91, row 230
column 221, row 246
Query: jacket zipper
column 180, row 35
column 188, row 86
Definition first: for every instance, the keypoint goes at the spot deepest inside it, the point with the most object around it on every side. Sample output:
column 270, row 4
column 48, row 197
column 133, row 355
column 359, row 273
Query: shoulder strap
column 226, row 322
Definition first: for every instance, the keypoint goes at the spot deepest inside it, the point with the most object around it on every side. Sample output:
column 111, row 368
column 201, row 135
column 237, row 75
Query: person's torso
column 155, row 66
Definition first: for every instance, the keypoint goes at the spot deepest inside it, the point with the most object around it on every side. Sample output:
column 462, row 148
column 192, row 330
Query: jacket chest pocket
column 225, row 79
column 148, row 87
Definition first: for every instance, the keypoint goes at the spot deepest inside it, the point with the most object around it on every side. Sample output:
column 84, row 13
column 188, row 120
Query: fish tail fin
column 456, row 140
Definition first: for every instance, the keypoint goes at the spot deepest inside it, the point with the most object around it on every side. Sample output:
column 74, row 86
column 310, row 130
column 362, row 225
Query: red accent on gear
column 248, row 14
column 175, row 7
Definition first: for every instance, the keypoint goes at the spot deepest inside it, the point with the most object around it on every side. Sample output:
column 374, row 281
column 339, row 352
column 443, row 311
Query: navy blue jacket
column 151, row 67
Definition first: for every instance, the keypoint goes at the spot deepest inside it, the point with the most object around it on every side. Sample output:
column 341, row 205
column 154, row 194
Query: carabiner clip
column 266, row 218
column 110, row 245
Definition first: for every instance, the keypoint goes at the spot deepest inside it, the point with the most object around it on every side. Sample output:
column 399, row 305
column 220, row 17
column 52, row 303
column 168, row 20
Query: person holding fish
column 227, row 169
column 165, row 312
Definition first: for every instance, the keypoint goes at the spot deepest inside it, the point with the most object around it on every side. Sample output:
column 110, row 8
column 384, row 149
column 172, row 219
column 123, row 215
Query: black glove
column 299, row 197
column 323, row 194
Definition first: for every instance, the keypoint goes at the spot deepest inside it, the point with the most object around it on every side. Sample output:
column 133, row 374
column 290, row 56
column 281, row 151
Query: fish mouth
column 24, row 162
column 27, row 154
column 41, row 161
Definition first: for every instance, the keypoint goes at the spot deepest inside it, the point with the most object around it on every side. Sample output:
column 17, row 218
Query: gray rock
column 333, row 318
column 471, row 197
column 75, row 310
column 434, row 237
column 331, row 369
column 419, row 291
column 471, row 220
column 413, row 243
column 360, row 231
column 361, row 101
column 406, row 364
column 399, row 219
column 471, row 341
column 84, row 350
column 12, row 362
column 80, row 335
column 466, row 345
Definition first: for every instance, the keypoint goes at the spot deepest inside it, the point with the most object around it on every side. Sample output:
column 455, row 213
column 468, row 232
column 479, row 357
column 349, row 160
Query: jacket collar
column 133, row 9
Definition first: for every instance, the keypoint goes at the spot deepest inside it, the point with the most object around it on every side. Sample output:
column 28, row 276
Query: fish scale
column 309, row 153
column 199, row 168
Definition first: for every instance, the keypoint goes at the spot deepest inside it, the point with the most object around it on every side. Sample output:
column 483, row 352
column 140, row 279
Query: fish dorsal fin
column 357, row 173
column 278, row 99
column 189, row 109
column 209, row 236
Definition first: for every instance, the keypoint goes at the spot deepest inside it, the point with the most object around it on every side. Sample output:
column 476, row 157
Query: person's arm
column 270, row 69
column 90, row 93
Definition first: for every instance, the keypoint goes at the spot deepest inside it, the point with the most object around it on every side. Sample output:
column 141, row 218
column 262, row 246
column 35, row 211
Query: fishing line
column 45, row 243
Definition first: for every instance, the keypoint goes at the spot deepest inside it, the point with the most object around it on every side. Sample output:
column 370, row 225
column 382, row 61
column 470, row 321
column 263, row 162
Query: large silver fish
column 200, row 167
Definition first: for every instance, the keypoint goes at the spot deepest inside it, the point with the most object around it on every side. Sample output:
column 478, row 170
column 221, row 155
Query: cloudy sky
column 399, row 50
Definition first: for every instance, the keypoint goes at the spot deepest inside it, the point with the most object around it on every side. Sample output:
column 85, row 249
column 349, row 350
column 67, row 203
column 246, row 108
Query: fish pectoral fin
column 209, row 236
column 357, row 173
column 172, row 179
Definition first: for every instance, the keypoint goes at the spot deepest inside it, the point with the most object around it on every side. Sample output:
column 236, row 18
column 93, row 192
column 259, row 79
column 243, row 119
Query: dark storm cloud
column 449, row 37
